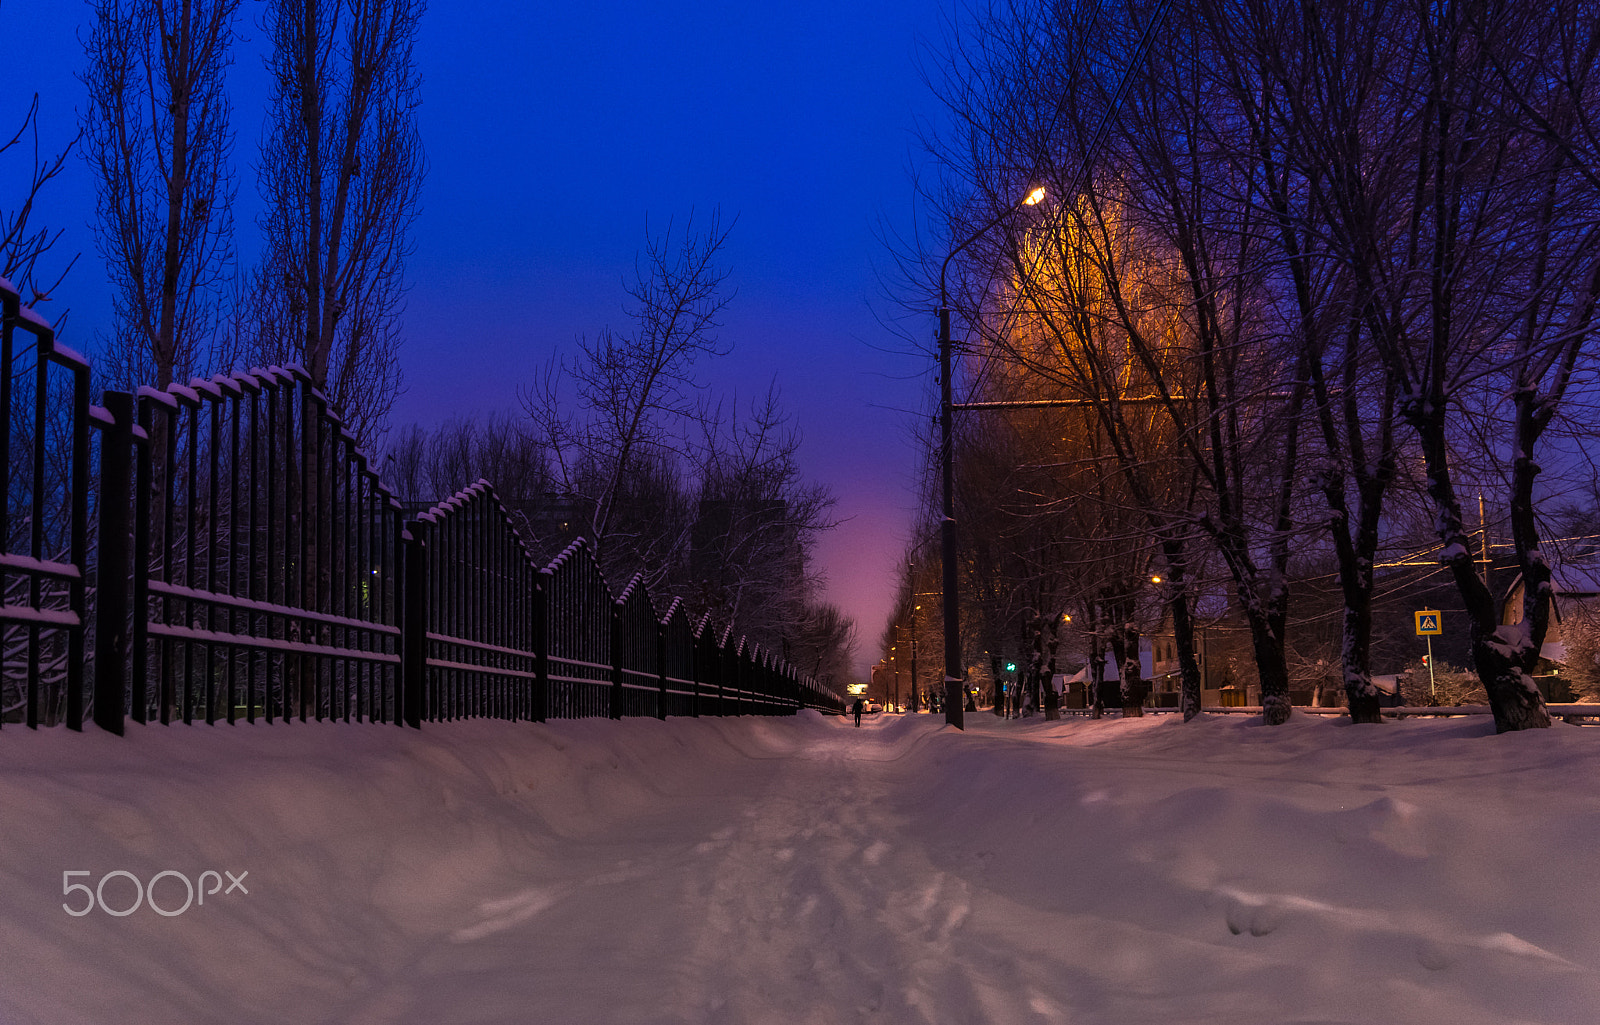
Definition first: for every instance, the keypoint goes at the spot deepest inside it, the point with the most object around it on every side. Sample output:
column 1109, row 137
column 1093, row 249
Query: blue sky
column 552, row 132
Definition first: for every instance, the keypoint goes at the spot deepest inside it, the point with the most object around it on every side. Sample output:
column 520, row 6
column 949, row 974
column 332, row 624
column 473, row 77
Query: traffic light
column 1011, row 667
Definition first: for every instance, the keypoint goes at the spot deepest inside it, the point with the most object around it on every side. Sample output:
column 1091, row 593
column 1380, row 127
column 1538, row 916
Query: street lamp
column 954, row 675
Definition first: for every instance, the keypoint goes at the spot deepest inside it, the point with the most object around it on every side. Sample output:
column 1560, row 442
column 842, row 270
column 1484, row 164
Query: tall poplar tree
column 341, row 171
column 158, row 139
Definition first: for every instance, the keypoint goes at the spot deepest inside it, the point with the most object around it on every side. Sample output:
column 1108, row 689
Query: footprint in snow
column 1255, row 919
column 1436, row 956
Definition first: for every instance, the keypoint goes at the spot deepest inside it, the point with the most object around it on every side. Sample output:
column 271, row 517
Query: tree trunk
column 1052, row 701
column 1504, row 657
column 1266, row 617
column 1354, row 554
column 1125, row 646
column 1182, row 626
column 1097, row 664
column 1361, row 694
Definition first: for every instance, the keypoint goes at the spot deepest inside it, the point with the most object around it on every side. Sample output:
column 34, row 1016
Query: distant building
column 1315, row 634
column 1576, row 585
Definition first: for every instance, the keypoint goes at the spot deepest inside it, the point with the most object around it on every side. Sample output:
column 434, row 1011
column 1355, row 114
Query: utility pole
column 955, row 672
column 1483, row 544
column 915, row 699
column 895, row 700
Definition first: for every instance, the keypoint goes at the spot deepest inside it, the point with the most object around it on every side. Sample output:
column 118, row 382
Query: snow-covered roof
column 1111, row 674
column 1574, row 578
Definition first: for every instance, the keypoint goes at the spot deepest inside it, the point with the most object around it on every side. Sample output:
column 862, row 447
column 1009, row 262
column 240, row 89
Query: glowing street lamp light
column 954, row 675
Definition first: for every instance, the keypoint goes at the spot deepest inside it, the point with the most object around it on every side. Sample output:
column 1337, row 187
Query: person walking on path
column 857, row 709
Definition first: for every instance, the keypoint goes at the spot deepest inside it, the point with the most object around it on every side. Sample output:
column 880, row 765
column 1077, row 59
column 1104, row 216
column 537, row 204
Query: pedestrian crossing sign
column 1429, row 623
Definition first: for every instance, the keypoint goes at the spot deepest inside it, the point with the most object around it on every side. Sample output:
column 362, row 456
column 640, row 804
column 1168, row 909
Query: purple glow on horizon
column 552, row 134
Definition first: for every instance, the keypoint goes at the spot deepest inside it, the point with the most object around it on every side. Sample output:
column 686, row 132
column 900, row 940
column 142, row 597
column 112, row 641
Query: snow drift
column 801, row 870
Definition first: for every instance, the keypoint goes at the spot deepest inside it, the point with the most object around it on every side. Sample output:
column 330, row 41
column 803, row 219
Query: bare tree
column 22, row 244
column 1296, row 228
column 756, row 524
column 822, row 646
column 660, row 476
column 1545, row 95
column 341, row 171
column 158, row 143
column 633, row 395
column 1136, row 298
column 1191, row 174
column 1464, row 203
column 430, row 466
column 1297, row 79
column 404, row 461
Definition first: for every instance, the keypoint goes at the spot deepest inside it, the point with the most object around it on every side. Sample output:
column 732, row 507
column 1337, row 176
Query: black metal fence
column 263, row 576
column 251, row 565
column 44, row 522
column 501, row 637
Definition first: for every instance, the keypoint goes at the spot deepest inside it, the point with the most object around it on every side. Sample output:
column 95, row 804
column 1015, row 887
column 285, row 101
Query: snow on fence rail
column 252, row 565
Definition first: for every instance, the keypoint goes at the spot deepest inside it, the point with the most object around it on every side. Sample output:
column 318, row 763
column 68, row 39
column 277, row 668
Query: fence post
column 111, row 586
column 616, row 660
column 414, row 620
column 78, row 589
column 661, row 668
column 540, row 711
column 694, row 676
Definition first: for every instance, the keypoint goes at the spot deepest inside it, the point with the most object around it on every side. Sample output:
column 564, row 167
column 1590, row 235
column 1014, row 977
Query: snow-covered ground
column 801, row 870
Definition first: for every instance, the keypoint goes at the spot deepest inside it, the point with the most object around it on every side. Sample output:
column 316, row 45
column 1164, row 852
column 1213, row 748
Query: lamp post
column 911, row 579
column 915, row 702
column 954, row 671
column 896, row 698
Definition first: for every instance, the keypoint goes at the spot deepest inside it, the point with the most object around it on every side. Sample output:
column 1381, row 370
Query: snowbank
column 802, row 870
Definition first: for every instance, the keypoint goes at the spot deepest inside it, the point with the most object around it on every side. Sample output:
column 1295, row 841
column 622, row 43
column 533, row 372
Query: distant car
column 874, row 706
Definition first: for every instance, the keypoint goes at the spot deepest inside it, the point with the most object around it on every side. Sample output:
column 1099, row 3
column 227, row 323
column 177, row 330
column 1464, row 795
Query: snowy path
column 803, row 871
column 816, row 907
column 785, row 893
